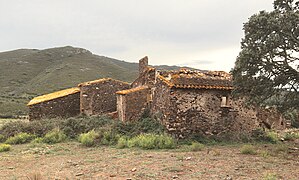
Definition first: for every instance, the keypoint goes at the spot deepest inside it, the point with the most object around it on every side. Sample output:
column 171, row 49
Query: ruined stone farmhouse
column 184, row 101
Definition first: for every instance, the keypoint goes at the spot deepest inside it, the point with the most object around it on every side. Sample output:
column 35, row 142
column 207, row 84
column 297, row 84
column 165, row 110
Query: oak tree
column 267, row 68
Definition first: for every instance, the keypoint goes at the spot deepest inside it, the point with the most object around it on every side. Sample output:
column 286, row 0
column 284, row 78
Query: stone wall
column 132, row 103
column 270, row 118
column 98, row 97
column 64, row 107
column 189, row 111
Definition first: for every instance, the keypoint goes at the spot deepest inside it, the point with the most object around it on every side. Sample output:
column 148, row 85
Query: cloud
column 169, row 31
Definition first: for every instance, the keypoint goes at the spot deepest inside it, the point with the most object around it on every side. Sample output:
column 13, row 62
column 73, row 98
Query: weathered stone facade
column 187, row 102
column 146, row 76
column 132, row 103
column 98, row 97
column 65, row 103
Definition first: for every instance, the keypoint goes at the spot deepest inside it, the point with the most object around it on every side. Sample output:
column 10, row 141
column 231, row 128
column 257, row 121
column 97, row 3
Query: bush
column 270, row 176
column 152, row 141
column 109, row 138
column 4, row 147
column 196, row 146
column 291, row 136
column 2, row 138
column 88, row 139
column 20, row 138
column 39, row 128
column 261, row 135
column 55, row 136
column 122, row 142
column 143, row 126
column 75, row 126
column 248, row 149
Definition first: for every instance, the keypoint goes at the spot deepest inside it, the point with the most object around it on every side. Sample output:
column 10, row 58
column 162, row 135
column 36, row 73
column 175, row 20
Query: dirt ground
column 72, row 161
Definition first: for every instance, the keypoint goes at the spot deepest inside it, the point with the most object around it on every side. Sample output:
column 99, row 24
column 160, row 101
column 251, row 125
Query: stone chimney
column 143, row 65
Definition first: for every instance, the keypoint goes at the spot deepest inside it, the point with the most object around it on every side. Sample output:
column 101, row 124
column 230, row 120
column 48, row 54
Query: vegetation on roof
column 54, row 95
column 128, row 91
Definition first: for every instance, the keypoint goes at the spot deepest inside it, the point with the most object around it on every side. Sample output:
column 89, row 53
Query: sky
column 203, row 34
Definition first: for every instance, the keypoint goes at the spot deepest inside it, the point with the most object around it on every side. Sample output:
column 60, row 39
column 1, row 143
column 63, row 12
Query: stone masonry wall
column 132, row 105
column 64, row 107
column 100, row 98
column 199, row 111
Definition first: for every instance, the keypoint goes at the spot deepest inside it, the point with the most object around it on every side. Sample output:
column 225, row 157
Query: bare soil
column 72, row 161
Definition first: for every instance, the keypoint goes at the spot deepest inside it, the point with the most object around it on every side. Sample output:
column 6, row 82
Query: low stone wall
column 132, row 103
column 270, row 118
column 98, row 97
column 64, row 107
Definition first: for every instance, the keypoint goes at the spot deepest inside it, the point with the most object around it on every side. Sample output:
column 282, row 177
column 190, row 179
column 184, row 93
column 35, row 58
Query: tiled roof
column 99, row 81
column 197, row 79
column 54, row 95
column 128, row 91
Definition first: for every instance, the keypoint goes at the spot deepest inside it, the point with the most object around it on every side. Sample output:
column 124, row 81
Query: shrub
column 88, row 139
column 54, row 136
column 142, row 126
column 122, row 142
column 261, row 135
column 75, row 126
column 39, row 128
column 196, row 146
column 20, row 138
column 4, row 147
column 109, row 138
column 248, row 149
column 272, row 137
column 2, row 138
column 291, row 136
column 152, row 141
column 270, row 176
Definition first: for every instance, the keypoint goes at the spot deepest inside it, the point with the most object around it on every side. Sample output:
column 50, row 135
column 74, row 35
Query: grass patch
column 248, row 149
column 149, row 141
column 2, row 138
column 55, row 136
column 5, row 147
column 194, row 146
column 20, row 138
column 88, row 139
column 270, row 176
column 290, row 136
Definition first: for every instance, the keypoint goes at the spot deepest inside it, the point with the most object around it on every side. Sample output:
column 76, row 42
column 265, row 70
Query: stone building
column 132, row 103
column 98, row 97
column 185, row 101
column 190, row 102
column 64, row 103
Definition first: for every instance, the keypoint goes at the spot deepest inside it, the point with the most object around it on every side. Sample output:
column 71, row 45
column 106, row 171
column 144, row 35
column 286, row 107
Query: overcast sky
column 204, row 34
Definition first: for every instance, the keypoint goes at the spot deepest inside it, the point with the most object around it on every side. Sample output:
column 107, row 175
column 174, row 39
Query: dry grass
column 72, row 161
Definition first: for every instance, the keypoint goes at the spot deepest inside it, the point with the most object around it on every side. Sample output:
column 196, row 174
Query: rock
column 175, row 177
column 188, row 158
column 79, row 174
column 134, row 169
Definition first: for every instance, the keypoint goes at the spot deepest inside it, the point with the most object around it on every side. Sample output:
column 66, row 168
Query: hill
column 26, row 73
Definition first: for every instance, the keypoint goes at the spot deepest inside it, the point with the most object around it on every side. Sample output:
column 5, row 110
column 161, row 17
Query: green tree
column 266, row 70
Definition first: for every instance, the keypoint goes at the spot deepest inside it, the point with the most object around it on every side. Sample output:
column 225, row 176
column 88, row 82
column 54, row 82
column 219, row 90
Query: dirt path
column 71, row 161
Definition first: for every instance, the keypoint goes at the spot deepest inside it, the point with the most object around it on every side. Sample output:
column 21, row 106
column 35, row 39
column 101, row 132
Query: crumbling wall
column 147, row 78
column 99, row 97
column 270, row 118
column 161, row 102
column 199, row 111
column 64, row 107
column 132, row 103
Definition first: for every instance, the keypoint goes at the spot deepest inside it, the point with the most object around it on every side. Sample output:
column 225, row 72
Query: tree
column 266, row 70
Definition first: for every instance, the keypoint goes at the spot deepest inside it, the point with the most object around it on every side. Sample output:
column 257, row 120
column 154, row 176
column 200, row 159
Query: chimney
column 143, row 65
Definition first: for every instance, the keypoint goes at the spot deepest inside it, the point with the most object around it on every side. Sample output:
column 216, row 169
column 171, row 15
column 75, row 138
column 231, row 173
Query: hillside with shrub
column 26, row 73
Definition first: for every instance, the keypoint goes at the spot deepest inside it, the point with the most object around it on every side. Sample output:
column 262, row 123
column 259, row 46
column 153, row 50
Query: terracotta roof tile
column 185, row 78
column 128, row 91
column 99, row 81
column 54, row 95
